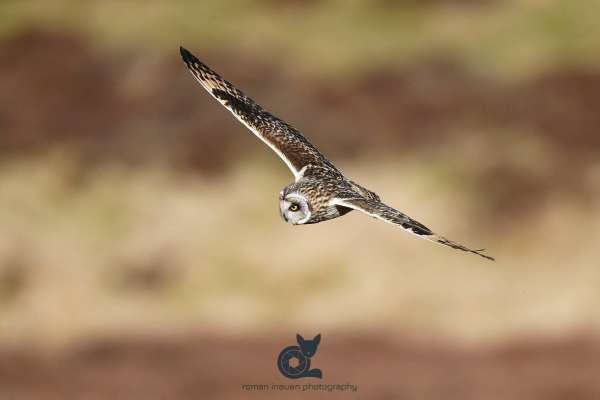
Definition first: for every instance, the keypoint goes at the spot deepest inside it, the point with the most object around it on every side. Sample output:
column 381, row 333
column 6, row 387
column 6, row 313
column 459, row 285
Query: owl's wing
column 289, row 144
column 379, row 210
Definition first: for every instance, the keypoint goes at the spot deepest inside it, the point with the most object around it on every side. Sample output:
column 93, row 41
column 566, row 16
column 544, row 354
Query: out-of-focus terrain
column 139, row 221
column 188, row 367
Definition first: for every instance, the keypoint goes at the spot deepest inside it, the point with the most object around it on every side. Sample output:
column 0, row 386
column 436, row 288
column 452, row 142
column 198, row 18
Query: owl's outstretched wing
column 377, row 209
column 289, row 144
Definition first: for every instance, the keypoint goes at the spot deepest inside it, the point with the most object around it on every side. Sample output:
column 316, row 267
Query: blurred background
column 141, row 250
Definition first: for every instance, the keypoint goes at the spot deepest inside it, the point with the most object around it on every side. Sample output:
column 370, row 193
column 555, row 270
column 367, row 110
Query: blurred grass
column 126, row 249
column 505, row 38
column 123, row 238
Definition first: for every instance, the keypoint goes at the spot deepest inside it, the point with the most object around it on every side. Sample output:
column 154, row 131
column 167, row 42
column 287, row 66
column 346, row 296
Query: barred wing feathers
column 289, row 144
column 379, row 210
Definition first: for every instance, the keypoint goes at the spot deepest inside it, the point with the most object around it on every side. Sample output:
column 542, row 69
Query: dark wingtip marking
column 184, row 53
column 188, row 57
column 239, row 105
column 418, row 230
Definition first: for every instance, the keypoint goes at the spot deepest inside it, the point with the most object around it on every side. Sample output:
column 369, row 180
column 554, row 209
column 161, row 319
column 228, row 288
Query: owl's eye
column 293, row 208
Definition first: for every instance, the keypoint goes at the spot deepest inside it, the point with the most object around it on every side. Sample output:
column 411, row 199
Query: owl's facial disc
column 295, row 209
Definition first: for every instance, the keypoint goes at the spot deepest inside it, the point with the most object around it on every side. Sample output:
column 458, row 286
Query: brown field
column 192, row 367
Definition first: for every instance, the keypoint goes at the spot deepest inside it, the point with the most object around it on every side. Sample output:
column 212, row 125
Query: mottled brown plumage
column 320, row 191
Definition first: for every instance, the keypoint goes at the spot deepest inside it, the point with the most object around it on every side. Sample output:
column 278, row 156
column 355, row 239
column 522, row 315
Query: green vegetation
column 511, row 38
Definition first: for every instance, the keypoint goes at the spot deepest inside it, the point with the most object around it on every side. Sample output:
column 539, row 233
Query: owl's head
column 294, row 207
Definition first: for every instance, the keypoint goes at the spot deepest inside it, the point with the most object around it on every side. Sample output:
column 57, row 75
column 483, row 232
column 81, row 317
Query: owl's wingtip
column 478, row 252
column 186, row 55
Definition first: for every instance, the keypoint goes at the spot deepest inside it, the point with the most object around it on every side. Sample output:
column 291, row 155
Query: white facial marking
column 294, row 209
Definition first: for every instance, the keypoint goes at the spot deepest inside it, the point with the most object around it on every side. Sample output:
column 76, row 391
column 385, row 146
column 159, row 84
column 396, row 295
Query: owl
column 320, row 191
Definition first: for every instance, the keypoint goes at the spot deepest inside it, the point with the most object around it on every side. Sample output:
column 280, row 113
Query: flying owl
column 320, row 191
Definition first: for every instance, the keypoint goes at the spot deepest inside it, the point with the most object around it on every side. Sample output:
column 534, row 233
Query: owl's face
column 294, row 208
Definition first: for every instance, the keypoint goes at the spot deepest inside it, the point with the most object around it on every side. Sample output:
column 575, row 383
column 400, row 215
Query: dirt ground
column 140, row 97
column 196, row 367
